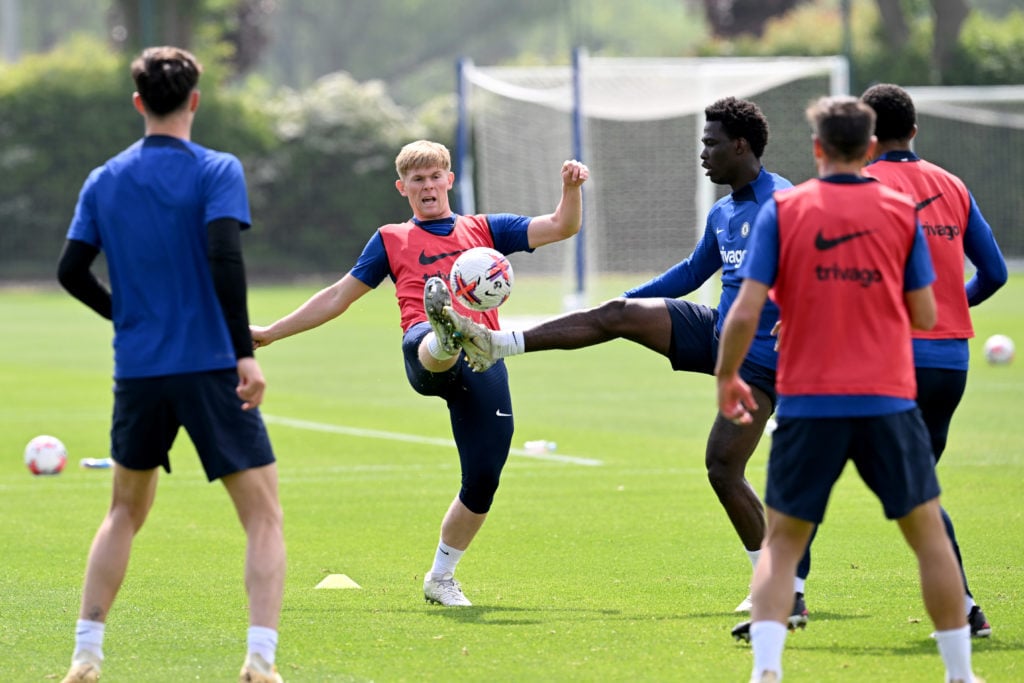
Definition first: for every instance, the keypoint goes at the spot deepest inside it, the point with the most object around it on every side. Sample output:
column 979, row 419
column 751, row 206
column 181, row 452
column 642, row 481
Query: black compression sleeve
column 75, row 275
column 224, row 250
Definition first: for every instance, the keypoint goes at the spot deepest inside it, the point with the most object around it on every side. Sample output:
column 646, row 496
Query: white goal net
column 637, row 124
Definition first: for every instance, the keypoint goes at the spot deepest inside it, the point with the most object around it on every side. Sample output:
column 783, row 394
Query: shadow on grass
column 915, row 647
column 490, row 615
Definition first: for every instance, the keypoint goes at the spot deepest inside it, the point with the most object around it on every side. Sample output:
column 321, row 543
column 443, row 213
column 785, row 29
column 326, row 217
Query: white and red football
column 481, row 278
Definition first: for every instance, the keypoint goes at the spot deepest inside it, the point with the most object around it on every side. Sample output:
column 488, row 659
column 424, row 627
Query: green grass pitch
column 627, row 570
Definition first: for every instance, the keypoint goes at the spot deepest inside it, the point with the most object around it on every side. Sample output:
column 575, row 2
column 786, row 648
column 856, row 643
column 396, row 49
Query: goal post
column 637, row 124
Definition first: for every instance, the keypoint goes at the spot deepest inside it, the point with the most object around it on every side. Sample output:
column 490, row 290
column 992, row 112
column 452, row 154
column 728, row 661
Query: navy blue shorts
column 149, row 411
column 480, row 409
column 694, row 346
column 891, row 452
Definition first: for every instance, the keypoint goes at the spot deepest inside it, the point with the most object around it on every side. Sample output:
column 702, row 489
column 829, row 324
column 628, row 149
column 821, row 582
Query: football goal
column 637, row 124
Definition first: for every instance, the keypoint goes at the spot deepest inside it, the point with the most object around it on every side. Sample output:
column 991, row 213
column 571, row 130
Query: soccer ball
column 45, row 455
column 999, row 349
column 481, row 278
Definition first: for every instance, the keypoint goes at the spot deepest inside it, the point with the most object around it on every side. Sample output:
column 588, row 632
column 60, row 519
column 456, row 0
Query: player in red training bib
column 849, row 268
column 417, row 255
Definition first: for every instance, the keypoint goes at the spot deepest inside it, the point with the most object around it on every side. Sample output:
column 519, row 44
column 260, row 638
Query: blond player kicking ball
column 417, row 255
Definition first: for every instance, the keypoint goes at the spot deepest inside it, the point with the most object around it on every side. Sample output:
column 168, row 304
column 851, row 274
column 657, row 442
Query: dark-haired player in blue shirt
column 168, row 214
column 734, row 138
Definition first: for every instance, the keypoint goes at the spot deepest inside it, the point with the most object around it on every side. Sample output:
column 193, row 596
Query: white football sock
column 798, row 584
column 955, row 648
column 753, row 555
column 262, row 641
column 506, row 343
column 435, row 350
column 445, row 560
column 767, row 638
column 89, row 636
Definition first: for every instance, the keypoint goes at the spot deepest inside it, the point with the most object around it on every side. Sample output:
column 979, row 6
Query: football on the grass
column 45, row 455
column 999, row 349
column 481, row 278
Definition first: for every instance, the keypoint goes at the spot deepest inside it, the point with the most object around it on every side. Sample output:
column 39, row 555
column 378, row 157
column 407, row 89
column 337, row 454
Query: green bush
column 330, row 180
column 61, row 115
column 990, row 50
column 320, row 163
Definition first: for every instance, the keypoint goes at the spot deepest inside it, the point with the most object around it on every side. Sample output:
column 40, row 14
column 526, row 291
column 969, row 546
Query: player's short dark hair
column 740, row 119
column 894, row 109
column 843, row 125
column 164, row 77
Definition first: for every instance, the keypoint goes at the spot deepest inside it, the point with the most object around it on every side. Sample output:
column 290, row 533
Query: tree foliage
column 64, row 113
column 744, row 17
column 329, row 182
column 898, row 47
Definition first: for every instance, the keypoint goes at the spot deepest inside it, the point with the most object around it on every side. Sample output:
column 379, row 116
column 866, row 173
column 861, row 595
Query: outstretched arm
column 568, row 215
column 325, row 305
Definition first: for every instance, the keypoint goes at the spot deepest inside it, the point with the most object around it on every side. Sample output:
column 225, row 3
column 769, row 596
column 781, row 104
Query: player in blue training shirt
column 168, row 213
column 849, row 268
column 734, row 138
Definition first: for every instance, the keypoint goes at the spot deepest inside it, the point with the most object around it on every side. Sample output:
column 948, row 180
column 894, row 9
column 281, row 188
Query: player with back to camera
column 734, row 138
column 849, row 268
column 417, row 255
column 168, row 214
column 955, row 228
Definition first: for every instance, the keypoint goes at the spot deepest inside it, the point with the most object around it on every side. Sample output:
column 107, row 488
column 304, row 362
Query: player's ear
column 819, row 150
column 872, row 146
column 400, row 186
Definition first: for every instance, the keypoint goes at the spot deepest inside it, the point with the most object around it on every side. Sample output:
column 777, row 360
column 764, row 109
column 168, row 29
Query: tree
column 136, row 24
column 949, row 18
column 731, row 18
column 240, row 25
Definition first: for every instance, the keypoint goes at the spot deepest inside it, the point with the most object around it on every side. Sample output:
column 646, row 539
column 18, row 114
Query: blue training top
column 724, row 246
column 147, row 209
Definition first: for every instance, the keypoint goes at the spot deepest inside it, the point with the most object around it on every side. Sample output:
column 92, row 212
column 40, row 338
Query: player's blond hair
column 422, row 154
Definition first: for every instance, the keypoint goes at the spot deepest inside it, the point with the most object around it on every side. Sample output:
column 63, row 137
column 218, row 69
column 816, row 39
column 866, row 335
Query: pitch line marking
column 413, row 438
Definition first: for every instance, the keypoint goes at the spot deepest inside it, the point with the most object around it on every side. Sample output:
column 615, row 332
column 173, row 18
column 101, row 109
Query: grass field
column 626, row 570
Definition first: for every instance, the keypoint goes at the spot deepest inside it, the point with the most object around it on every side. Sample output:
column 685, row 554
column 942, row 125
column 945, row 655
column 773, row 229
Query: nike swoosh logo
column 444, row 551
column 501, row 414
column 427, row 260
column 926, row 202
column 823, row 243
